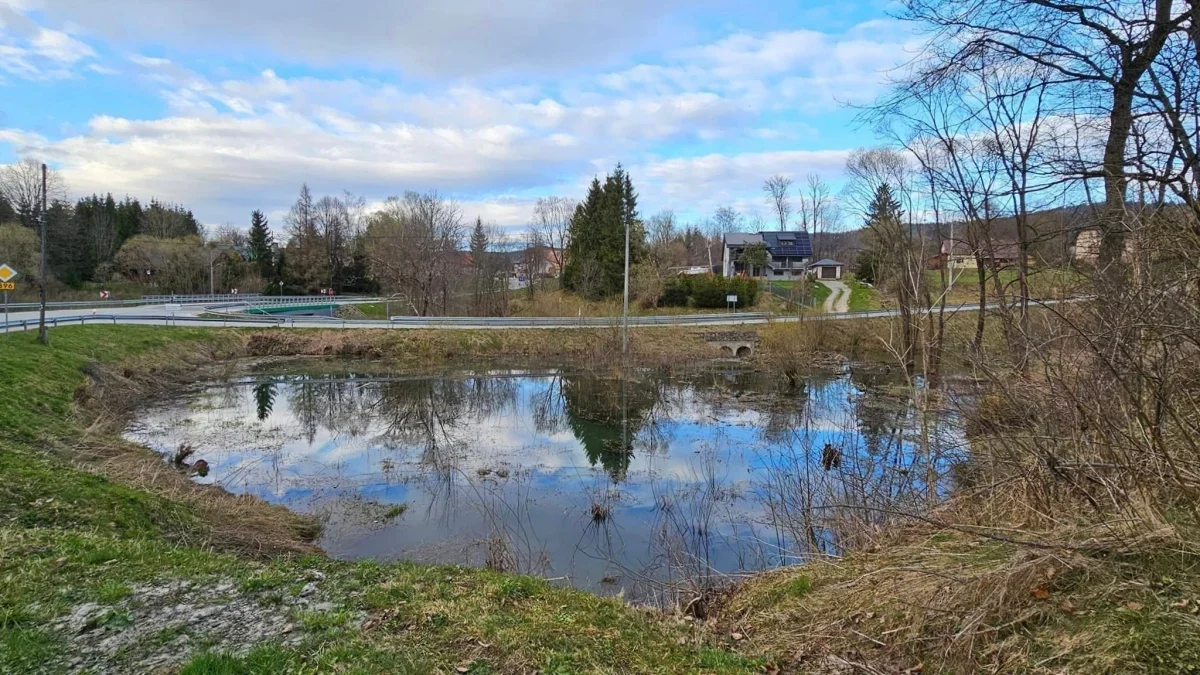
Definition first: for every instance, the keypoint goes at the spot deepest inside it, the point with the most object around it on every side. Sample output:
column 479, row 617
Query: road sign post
column 7, row 274
column 732, row 301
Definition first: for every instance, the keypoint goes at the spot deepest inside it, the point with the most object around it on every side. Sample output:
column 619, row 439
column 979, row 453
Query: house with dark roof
column 788, row 254
column 827, row 269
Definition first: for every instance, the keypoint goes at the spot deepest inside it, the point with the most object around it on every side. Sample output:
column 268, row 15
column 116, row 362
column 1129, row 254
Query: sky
column 227, row 106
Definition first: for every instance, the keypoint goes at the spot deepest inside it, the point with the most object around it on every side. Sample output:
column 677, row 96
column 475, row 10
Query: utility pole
column 43, row 334
column 625, row 310
column 211, row 260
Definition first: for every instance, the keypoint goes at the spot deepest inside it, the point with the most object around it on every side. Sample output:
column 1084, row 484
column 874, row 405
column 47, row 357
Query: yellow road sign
column 7, row 273
column 8, row 286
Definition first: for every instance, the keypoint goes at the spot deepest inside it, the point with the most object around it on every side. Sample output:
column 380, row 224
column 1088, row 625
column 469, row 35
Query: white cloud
column 149, row 61
column 815, row 71
column 463, row 37
column 31, row 52
column 223, row 165
column 58, row 46
column 706, row 182
column 230, row 145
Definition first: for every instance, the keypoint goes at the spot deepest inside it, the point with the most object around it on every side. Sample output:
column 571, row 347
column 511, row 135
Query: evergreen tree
column 262, row 245
column 129, row 219
column 886, row 236
column 7, row 213
column 595, row 266
column 479, row 265
column 479, row 243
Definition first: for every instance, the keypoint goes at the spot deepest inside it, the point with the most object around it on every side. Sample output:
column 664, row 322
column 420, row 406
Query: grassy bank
column 112, row 569
column 862, row 297
column 112, row 560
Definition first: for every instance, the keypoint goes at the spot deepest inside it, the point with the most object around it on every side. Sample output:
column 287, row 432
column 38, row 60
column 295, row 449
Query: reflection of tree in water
column 881, row 418
column 264, row 398
column 417, row 411
column 605, row 414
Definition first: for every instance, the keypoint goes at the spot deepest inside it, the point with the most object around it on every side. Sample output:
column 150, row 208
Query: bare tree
column 21, row 185
column 413, row 248
column 818, row 210
column 778, row 190
column 331, row 222
column 305, row 252
column 1099, row 53
column 534, row 258
column 666, row 245
column 878, row 176
column 725, row 220
column 552, row 220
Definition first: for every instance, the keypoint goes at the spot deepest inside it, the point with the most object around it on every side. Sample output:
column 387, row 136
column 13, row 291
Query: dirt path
column 839, row 297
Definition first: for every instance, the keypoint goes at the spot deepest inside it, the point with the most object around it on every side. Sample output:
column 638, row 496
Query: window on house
column 778, row 273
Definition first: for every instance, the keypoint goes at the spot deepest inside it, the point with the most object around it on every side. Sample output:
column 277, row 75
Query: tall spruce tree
column 479, row 263
column 479, row 242
column 595, row 266
column 262, row 245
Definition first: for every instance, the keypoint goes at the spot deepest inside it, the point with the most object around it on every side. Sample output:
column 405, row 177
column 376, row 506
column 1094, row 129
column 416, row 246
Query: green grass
column 68, row 537
column 862, row 297
column 819, row 292
column 376, row 310
column 1044, row 283
column 395, row 511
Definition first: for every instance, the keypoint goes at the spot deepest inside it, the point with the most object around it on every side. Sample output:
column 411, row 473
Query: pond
column 647, row 484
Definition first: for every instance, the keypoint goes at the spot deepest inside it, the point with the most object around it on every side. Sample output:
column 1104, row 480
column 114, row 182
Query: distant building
column 541, row 262
column 961, row 255
column 827, row 269
column 788, row 254
column 691, row 271
column 1087, row 246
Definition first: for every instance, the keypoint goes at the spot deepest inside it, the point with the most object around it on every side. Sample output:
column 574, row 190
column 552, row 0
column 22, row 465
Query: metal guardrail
column 403, row 322
column 215, row 300
column 592, row 321
column 396, row 322
column 205, row 297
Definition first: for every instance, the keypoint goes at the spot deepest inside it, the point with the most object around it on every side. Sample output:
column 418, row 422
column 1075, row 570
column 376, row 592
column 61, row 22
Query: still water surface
column 619, row 485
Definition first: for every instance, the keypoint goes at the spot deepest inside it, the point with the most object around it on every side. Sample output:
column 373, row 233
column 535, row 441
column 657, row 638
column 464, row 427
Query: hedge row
column 708, row 291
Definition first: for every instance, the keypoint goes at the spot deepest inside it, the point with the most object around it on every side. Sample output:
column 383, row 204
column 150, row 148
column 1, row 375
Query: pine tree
column 479, row 243
column 261, row 244
column 885, row 231
column 595, row 265
column 7, row 213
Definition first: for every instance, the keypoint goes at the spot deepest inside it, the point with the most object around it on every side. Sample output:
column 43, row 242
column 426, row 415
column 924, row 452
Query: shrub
column 709, row 292
column 676, row 292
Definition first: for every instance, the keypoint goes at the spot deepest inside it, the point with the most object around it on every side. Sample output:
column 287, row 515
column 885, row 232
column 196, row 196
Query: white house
column 827, row 269
column 788, row 254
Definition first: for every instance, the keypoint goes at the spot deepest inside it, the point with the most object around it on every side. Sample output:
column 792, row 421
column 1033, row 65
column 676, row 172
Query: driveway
column 838, row 301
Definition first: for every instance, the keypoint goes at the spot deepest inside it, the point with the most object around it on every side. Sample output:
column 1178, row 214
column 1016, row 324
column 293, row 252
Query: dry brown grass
column 240, row 523
column 648, row 345
column 941, row 601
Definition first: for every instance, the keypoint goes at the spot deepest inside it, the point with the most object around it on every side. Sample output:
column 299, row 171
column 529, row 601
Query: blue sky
column 229, row 105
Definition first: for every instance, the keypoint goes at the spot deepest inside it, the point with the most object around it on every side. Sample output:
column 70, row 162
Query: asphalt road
column 188, row 315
